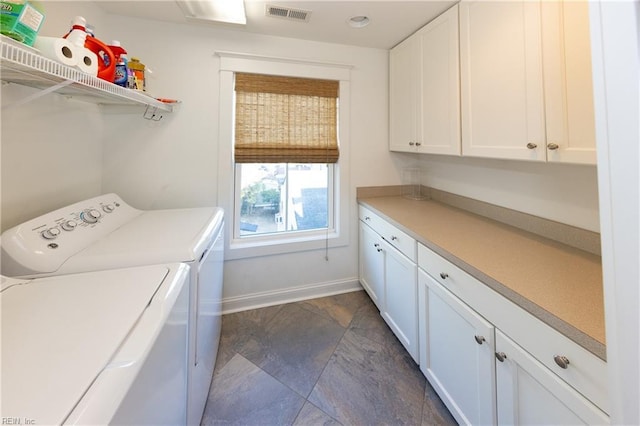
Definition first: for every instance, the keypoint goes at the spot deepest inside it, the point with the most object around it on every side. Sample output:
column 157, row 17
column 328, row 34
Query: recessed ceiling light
column 358, row 21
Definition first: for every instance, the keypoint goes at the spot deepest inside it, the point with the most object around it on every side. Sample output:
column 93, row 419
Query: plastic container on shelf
column 21, row 20
column 121, row 77
column 137, row 68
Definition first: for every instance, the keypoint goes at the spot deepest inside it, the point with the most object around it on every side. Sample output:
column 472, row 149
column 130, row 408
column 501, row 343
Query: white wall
column 51, row 147
column 560, row 192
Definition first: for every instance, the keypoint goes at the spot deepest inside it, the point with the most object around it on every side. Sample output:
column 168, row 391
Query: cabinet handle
column 479, row 339
column 444, row 275
column 367, row 218
column 393, row 238
column 376, row 245
column 379, row 249
column 553, row 146
column 418, row 143
column 532, row 145
column 562, row 361
column 501, row 356
column 412, row 143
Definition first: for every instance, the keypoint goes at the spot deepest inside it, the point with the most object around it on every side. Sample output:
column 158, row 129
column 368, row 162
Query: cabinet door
column 501, row 80
column 404, row 90
column 440, row 76
column 568, row 82
column 528, row 393
column 372, row 264
column 401, row 298
column 458, row 357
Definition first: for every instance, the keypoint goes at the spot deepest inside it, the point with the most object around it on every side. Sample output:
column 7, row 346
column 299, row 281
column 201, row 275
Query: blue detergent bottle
column 122, row 71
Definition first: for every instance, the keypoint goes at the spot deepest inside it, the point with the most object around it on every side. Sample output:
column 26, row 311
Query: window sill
column 282, row 244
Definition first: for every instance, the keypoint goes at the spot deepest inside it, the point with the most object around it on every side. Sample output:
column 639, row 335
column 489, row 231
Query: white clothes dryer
column 106, row 233
column 105, row 347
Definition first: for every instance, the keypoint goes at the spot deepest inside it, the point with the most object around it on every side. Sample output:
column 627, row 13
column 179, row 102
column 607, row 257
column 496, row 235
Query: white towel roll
column 56, row 48
column 87, row 60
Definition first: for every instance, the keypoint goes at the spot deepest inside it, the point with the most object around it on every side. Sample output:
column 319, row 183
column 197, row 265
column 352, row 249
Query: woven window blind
column 285, row 119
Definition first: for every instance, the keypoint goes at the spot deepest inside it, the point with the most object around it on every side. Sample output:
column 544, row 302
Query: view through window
column 284, row 197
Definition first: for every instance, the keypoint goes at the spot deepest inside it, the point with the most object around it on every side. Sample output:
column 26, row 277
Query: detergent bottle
column 106, row 59
column 137, row 68
column 122, row 71
column 78, row 33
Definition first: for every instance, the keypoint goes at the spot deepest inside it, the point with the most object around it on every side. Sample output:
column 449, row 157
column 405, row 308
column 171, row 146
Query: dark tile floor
column 327, row 361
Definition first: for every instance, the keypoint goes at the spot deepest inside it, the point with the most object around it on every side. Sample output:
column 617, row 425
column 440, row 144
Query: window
column 284, row 148
column 231, row 173
column 284, row 197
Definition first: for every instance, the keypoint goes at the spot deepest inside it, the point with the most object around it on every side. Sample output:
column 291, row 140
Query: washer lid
column 155, row 236
column 59, row 333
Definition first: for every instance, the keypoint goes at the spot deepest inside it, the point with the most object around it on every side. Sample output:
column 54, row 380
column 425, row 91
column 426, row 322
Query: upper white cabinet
column 526, row 81
column 424, row 89
column 404, row 90
column 501, row 80
column 568, row 83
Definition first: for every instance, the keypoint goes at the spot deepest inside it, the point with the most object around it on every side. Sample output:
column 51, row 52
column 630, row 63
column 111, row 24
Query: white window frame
column 280, row 243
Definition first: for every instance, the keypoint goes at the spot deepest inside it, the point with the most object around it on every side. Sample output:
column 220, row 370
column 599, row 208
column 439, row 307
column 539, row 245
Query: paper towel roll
column 56, row 48
column 87, row 60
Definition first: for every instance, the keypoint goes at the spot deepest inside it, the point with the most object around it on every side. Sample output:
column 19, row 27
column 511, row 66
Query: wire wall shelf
column 25, row 66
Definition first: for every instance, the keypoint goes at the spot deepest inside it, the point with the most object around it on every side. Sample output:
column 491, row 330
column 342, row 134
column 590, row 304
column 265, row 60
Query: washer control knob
column 69, row 225
column 51, row 233
column 108, row 208
column 90, row 216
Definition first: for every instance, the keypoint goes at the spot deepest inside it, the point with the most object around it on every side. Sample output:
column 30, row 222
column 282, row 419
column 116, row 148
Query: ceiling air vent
column 298, row 15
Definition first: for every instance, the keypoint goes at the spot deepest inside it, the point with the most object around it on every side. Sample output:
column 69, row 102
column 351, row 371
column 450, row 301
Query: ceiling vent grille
column 288, row 13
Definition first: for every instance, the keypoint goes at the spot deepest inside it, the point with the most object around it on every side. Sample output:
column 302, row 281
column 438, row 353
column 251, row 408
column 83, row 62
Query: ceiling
column 390, row 21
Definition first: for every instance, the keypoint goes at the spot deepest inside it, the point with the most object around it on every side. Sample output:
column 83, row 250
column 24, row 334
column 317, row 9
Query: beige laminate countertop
column 558, row 284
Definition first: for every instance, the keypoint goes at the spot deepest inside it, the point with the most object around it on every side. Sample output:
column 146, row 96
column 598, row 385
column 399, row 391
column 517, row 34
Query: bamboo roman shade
column 285, row 119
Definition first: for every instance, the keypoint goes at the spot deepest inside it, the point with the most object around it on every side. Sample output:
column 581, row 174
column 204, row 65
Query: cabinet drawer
column 394, row 236
column 585, row 372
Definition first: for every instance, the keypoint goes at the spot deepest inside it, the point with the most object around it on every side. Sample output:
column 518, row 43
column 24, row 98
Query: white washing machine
column 105, row 233
column 105, row 347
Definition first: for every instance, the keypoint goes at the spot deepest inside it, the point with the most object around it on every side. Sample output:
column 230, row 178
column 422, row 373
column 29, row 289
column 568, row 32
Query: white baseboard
column 294, row 294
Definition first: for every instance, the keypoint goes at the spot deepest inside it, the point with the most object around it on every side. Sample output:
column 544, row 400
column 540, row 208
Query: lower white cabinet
column 456, row 353
column 371, row 264
column 490, row 361
column 400, row 310
column 529, row 393
column 388, row 272
column 537, row 375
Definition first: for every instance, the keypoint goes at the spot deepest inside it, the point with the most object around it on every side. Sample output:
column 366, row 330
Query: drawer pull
column 367, row 218
column 501, row 356
column 562, row 361
column 479, row 339
column 393, row 238
column 444, row 275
